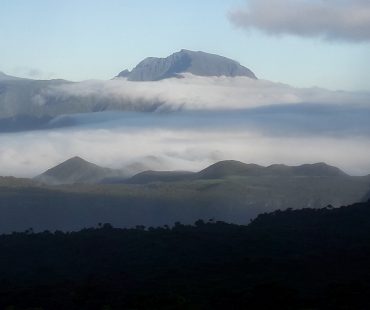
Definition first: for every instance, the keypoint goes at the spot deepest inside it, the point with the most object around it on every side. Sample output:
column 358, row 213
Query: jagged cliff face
column 197, row 63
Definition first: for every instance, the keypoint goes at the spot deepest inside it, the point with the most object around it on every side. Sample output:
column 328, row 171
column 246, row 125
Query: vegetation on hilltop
column 303, row 259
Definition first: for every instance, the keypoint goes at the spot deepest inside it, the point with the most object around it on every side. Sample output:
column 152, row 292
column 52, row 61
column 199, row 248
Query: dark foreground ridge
column 303, row 259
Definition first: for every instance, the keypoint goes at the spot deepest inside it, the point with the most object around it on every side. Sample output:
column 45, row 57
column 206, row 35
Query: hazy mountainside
column 291, row 260
column 185, row 61
column 229, row 168
column 235, row 168
column 159, row 176
column 234, row 199
column 229, row 191
column 17, row 182
column 77, row 170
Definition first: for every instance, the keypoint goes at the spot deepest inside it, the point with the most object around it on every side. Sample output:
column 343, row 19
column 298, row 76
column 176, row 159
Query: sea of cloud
column 196, row 122
column 174, row 141
column 189, row 93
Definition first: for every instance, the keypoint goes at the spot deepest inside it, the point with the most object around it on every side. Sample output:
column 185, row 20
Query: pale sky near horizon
column 92, row 39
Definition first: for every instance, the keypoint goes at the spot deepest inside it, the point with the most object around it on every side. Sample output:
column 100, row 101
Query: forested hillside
column 303, row 259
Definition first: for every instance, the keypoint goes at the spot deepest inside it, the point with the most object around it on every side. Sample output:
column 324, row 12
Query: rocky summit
column 185, row 61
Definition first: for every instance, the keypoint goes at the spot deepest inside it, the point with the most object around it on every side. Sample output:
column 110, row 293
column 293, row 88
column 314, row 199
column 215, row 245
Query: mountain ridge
column 159, row 198
column 185, row 61
column 229, row 168
column 78, row 170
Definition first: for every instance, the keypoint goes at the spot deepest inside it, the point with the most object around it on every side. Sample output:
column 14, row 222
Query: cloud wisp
column 343, row 20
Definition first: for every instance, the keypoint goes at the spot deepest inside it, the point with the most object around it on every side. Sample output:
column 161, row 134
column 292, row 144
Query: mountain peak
column 186, row 61
column 76, row 170
column 76, row 159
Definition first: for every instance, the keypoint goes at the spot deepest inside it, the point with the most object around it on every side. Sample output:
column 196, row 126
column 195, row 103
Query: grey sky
column 344, row 20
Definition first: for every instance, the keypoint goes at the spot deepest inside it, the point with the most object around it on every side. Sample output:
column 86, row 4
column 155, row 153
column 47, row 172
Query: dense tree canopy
column 293, row 259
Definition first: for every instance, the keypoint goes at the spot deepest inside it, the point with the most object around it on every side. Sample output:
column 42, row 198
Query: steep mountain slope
column 185, row 61
column 76, row 170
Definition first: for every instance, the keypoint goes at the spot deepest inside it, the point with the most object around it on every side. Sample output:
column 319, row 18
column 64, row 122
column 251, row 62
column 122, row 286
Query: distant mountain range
column 82, row 194
column 78, row 170
column 235, row 168
column 185, row 61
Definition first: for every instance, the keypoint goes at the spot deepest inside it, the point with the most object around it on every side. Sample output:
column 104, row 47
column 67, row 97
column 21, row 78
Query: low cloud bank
column 188, row 146
column 42, row 99
column 197, row 121
column 281, row 120
column 199, row 93
column 188, row 93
